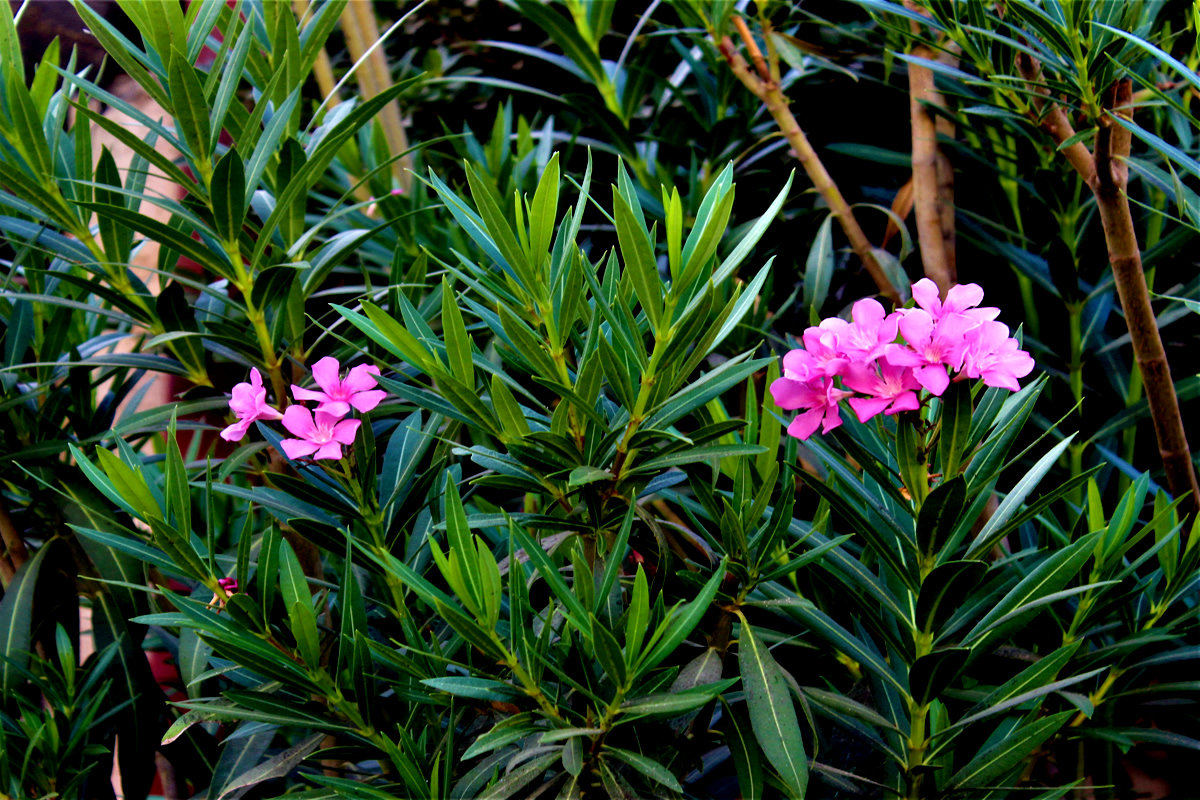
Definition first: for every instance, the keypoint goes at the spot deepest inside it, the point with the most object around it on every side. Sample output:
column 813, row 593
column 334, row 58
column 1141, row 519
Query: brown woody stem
column 927, row 200
column 1107, row 174
column 777, row 105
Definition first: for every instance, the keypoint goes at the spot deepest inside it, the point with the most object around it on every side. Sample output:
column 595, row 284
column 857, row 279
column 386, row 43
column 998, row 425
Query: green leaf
column 818, row 268
column 938, row 516
column 747, row 758
column 130, row 486
column 188, row 103
column 932, row 673
column 542, row 213
column 679, row 624
column 1047, row 578
column 772, row 715
column 980, row 547
column 671, row 704
column 458, row 343
column 16, row 621
column 825, row 627
column 389, row 334
column 944, row 589
column 227, row 192
column 955, row 426
column 476, row 688
column 997, row 760
column 297, row 599
column 648, row 767
column 640, row 266
column 277, row 766
column 608, row 652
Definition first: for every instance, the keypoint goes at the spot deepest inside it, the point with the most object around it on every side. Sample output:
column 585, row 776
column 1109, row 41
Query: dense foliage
column 474, row 476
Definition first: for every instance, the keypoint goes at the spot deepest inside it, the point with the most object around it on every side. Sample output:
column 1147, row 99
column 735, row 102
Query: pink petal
column 905, row 402
column 962, row 297
column 925, row 292
column 331, row 450
column 268, row 412
column 790, row 394
column 302, row 394
column 833, row 418
column 326, row 420
column 933, row 378
column 900, row 356
column 236, row 431
column 1001, row 380
column 917, row 327
column 336, row 409
column 365, row 401
column 868, row 312
column 799, row 365
column 361, row 378
column 326, row 373
column 299, row 420
column 345, row 430
column 298, row 448
column 255, row 378
column 867, row 407
column 806, row 424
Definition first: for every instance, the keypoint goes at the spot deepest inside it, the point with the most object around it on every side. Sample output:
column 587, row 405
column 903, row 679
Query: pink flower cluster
column 320, row 435
column 883, row 360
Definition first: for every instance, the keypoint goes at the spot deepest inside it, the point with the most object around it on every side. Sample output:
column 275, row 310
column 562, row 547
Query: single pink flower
column 320, row 437
column 337, row 396
column 870, row 332
column 891, row 389
column 961, row 299
column 249, row 403
column 995, row 357
column 817, row 395
column 933, row 345
column 230, row 585
column 821, row 343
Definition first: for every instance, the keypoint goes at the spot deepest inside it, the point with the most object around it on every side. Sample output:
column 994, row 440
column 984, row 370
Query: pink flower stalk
column 890, row 389
column 320, row 437
column 995, row 357
column 818, row 396
column 338, row 396
column 249, row 403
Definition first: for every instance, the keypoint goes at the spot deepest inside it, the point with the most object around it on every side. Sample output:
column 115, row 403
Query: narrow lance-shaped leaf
column 772, row 715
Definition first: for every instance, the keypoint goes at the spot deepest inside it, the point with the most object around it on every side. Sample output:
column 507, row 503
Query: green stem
column 258, row 321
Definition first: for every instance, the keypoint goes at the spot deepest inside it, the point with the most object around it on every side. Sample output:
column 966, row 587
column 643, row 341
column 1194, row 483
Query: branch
column 1053, row 120
column 777, row 104
column 927, row 201
column 1109, row 184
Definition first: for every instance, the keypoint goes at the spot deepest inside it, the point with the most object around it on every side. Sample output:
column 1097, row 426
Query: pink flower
column 337, row 396
column 821, row 344
column 249, row 403
column 230, row 585
column 872, row 330
column 961, row 299
column 817, row 395
column 322, row 436
column 993, row 356
column 933, row 345
column 892, row 389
